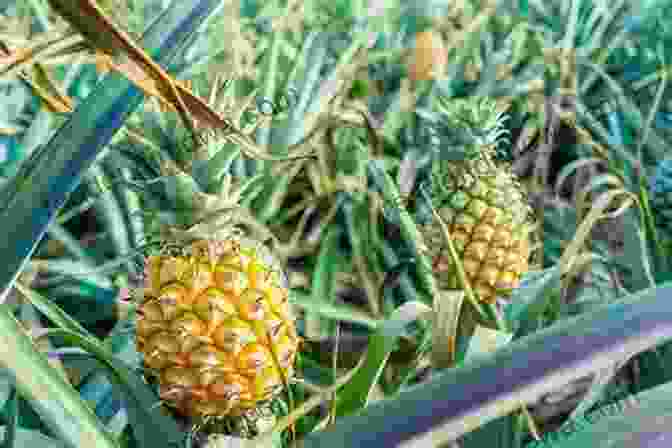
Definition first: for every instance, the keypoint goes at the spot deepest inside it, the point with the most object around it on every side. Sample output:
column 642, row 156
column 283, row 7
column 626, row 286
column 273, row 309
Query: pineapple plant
column 214, row 326
column 198, row 238
column 481, row 202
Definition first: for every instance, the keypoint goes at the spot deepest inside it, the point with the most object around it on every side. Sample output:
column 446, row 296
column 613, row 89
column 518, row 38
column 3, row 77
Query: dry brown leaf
column 14, row 57
column 447, row 309
column 133, row 62
column 39, row 81
column 87, row 16
column 13, row 61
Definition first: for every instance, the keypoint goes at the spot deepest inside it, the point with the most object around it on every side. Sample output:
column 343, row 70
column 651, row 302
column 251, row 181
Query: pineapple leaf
column 34, row 196
column 356, row 394
column 356, row 213
column 37, row 381
column 95, row 385
column 530, row 299
column 37, row 193
column 504, row 430
column 641, row 420
column 654, row 367
column 408, row 228
column 334, row 311
column 209, row 173
column 484, row 341
column 315, row 57
column 12, row 409
column 602, row 380
column 447, row 311
column 110, row 209
column 535, row 365
column 181, row 190
column 150, row 425
column 52, row 311
column 323, row 281
column 28, row 437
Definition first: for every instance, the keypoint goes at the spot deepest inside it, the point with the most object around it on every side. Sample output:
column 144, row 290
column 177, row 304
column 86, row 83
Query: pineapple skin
column 486, row 212
column 215, row 327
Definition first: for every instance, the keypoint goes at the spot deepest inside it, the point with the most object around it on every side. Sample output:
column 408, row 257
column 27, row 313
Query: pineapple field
column 329, row 223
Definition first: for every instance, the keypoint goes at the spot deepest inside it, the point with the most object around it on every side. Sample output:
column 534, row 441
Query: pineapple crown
column 470, row 128
column 467, row 133
column 189, row 199
column 216, row 212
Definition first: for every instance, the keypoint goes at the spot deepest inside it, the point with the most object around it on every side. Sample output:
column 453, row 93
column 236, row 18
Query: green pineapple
column 481, row 202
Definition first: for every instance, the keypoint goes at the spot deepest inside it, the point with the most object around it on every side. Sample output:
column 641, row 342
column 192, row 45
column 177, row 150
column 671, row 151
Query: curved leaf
column 355, row 395
column 487, row 388
column 34, row 196
column 25, row 437
column 52, row 172
column 150, row 424
column 642, row 420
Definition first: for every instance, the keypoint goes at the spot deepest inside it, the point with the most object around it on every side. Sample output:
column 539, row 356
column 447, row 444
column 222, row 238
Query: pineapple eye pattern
column 213, row 339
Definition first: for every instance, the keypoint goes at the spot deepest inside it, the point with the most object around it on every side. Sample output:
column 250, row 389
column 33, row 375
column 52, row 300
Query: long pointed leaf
column 56, row 169
column 59, row 405
column 465, row 398
column 355, row 395
column 34, row 197
column 642, row 420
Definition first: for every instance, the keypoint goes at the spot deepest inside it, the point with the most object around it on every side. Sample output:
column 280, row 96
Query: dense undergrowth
column 324, row 108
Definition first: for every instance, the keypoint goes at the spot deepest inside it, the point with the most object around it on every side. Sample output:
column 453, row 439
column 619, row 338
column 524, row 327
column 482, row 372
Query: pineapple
column 428, row 57
column 480, row 201
column 214, row 326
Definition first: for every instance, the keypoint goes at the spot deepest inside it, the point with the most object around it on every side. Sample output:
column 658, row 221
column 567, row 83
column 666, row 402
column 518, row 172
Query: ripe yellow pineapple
column 214, row 325
column 216, row 328
column 480, row 201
